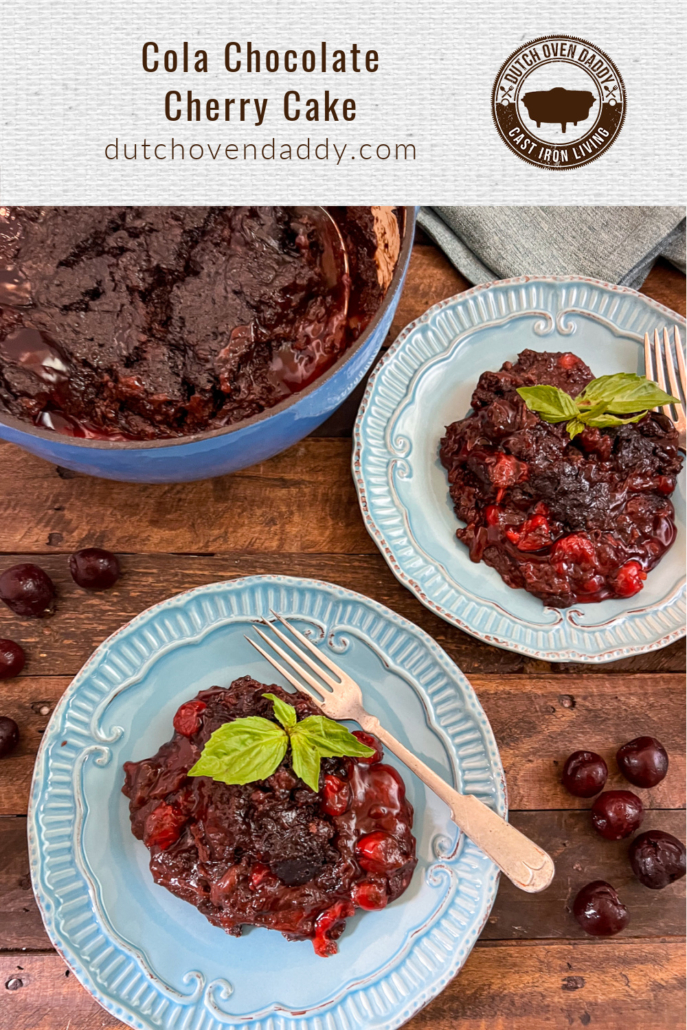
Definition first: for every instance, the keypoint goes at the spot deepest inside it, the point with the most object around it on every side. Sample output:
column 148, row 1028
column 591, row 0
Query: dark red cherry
column 379, row 852
column 617, row 814
column 94, row 569
column 9, row 735
column 599, row 910
column 258, row 874
column 28, row 591
column 629, row 579
column 643, row 761
column 657, row 859
column 369, row 740
column 162, row 826
column 187, row 719
column 370, row 895
column 329, row 925
column 584, row 774
column 12, row 659
column 335, row 795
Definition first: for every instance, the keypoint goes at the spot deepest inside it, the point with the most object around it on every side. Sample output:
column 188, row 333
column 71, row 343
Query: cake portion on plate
column 568, row 501
column 271, row 850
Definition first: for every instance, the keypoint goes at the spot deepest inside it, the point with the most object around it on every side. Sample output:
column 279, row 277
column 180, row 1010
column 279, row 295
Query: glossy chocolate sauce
column 569, row 521
column 142, row 323
column 271, row 853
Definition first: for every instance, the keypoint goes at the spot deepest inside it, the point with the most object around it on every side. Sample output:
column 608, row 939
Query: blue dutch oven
column 235, row 447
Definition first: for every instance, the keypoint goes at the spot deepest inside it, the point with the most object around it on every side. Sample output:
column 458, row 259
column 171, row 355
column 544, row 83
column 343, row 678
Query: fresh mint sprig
column 252, row 748
column 600, row 404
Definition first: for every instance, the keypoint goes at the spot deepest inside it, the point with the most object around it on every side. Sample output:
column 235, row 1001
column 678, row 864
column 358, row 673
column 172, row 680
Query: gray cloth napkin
column 616, row 244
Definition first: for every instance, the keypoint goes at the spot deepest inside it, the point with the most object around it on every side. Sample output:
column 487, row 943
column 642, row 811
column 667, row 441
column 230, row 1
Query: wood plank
column 537, row 722
column 581, row 856
column 613, row 985
column 301, row 501
column 578, row 851
column 61, row 644
column 666, row 284
column 21, row 926
column 431, row 277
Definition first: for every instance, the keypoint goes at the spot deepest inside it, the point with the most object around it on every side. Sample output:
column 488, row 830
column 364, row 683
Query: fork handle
column 527, row 865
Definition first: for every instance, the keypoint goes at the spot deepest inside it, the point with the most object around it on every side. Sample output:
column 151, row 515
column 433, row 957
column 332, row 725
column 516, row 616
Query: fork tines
column 660, row 355
column 314, row 688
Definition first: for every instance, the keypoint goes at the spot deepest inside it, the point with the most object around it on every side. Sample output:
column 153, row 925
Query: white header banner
column 388, row 102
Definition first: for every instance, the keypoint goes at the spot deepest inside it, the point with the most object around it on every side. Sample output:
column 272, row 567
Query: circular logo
column 558, row 102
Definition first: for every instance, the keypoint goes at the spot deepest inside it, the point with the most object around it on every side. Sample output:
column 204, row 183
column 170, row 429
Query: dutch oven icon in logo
column 559, row 105
column 558, row 102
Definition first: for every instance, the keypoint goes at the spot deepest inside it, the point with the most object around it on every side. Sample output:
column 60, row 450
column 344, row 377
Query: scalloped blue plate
column 154, row 961
column 424, row 383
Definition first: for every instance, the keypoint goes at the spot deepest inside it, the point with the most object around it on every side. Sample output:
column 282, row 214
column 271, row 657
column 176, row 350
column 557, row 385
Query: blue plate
column 154, row 961
column 424, row 383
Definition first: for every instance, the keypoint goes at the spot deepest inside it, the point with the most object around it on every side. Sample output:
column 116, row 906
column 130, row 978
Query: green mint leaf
column 623, row 394
column 318, row 737
column 599, row 403
column 242, row 751
column 610, row 420
column 550, row 403
column 284, row 713
column 603, row 389
column 251, row 749
column 575, row 426
column 306, row 762
column 330, row 739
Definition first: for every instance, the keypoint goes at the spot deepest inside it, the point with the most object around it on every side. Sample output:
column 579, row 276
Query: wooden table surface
column 298, row 514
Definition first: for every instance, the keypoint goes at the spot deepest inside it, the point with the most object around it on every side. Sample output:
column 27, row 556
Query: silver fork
column 657, row 354
column 524, row 862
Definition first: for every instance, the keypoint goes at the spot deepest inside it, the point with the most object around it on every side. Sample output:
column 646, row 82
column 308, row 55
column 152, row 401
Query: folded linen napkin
column 615, row 244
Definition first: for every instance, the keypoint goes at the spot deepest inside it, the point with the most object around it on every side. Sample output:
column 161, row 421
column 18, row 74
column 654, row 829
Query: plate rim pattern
column 53, row 828
column 389, row 390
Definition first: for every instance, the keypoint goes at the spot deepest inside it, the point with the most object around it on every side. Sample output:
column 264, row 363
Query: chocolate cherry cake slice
column 570, row 520
column 273, row 852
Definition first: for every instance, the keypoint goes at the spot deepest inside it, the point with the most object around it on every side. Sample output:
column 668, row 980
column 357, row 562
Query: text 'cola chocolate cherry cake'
column 573, row 510
column 272, row 851
column 141, row 323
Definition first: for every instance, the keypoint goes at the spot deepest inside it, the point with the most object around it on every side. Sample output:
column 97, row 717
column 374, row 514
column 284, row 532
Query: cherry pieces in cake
column 9, row 735
column 599, row 910
column 336, row 795
column 12, row 659
column 369, row 740
column 371, row 895
column 187, row 720
column 94, row 568
column 380, row 852
column 643, row 761
column 28, row 591
column 571, row 521
column 271, row 853
column 617, row 814
column 584, row 774
column 657, row 859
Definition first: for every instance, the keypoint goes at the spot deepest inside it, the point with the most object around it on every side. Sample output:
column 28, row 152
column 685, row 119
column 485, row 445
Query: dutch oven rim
column 59, row 439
